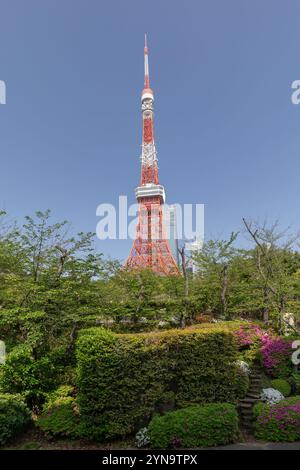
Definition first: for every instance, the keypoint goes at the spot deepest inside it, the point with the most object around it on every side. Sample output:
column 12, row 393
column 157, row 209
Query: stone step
column 246, row 411
column 245, row 406
column 247, row 416
column 249, row 400
column 249, row 430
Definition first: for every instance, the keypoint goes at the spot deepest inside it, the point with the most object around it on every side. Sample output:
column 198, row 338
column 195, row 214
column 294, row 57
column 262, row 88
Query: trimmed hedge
column 14, row 416
column 278, row 423
column 196, row 426
column 124, row 378
column 282, row 386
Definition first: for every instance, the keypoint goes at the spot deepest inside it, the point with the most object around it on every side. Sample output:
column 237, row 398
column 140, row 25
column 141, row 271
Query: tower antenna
column 146, row 64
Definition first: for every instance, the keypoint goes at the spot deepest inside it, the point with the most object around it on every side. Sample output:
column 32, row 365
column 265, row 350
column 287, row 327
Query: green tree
column 214, row 263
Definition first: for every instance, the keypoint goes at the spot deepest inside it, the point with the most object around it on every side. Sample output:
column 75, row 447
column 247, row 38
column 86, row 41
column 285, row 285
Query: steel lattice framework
column 151, row 247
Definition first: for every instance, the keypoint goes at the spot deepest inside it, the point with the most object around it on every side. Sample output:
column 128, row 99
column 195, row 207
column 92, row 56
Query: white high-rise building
column 193, row 247
column 171, row 227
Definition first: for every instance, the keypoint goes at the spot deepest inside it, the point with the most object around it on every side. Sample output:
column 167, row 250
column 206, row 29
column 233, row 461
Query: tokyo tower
column 151, row 247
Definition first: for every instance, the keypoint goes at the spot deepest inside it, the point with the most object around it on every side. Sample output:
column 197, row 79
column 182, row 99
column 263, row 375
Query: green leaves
column 14, row 416
column 195, row 426
column 29, row 375
column 124, row 379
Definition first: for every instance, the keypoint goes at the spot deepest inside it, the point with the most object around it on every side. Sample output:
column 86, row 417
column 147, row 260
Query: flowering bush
column 291, row 400
column 248, row 335
column 271, row 396
column 278, row 423
column 244, row 367
column 142, row 438
column 274, row 351
column 276, row 356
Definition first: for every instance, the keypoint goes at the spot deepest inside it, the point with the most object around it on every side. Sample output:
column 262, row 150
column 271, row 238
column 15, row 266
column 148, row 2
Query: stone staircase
column 246, row 404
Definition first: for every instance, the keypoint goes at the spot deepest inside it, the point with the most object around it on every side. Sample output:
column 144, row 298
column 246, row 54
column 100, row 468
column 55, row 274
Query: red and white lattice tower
column 151, row 247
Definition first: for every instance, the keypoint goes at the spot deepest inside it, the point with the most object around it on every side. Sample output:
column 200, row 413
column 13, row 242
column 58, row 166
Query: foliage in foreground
column 54, row 284
column 195, row 426
column 123, row 379
column 60, row 419
column 60, row 416
column 27, row 375
column 14, row 416
column 279, row 422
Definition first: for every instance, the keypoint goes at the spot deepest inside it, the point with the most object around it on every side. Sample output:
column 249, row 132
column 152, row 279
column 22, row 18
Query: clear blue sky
column 227, row 133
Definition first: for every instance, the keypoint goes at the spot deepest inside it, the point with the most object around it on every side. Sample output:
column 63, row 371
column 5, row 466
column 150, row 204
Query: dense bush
column 273, row 351
column 61, row 392
column 279, row 422
column 276, row 356
column 249, row 337
column 271, row 396
column 17, row 325
column 282, row 385
column 195, row 426
column 249, row 334
column 14, row 416
column 291, row 400
column 27, row 375
column 59, row 417
column 123, row 379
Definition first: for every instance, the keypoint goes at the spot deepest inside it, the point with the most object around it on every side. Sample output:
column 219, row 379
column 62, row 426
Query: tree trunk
column 224, row 291
column 186, row 286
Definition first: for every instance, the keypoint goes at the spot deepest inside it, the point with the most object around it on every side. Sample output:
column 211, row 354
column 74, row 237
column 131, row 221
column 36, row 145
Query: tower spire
column 146, row 64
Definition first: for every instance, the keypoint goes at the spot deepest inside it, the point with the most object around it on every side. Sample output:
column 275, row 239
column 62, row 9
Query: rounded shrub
column 282, row 386
column 14, row 416
column 195, row 426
